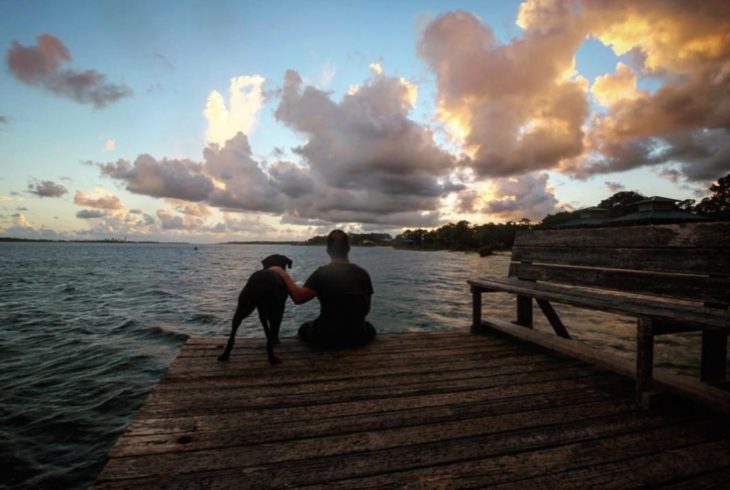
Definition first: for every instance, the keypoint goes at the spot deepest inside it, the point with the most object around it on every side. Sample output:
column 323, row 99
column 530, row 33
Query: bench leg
column 524, row 311
column 476, row 310
column 714, row 356
column 553, row 318
column 644, row 361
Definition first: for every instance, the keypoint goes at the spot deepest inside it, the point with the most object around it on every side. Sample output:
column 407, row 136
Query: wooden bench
column 671, row 278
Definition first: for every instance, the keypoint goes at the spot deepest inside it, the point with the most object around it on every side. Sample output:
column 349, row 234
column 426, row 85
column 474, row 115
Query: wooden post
column 524, row 311
column 476, row 309
column 714, row 356
column 644, row 360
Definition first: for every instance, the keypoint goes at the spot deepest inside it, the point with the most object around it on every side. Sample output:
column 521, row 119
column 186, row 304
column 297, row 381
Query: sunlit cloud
column 99, row 199
column 245, row 98
column 110, row 144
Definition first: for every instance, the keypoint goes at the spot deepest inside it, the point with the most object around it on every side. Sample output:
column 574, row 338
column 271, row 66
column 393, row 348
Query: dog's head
column 281, row 260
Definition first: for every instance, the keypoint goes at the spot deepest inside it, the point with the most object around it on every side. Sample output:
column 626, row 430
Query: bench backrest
column 688, row 261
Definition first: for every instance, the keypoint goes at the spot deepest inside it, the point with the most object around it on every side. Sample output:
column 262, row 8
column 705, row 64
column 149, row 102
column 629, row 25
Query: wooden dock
column 423, row 410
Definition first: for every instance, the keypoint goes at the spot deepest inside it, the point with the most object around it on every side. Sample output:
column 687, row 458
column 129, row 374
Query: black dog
column 265, row 290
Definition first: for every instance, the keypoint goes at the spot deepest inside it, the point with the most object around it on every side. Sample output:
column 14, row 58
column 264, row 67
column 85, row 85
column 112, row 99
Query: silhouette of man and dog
column 344, row 290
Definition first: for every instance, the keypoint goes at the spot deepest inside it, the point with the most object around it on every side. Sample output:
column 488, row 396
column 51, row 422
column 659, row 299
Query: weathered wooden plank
column 689, row 235
column 160, row 435
column 330, row 437
column 697, row 261
column 698, row 288
column 518, row 361
column 395, row 339
column 612, row 302
column 339, row 363
column 252, row 348
column 498, row 400
column 708, row 480
column 713, row 397
column 648, row 471
column 307, row 468
column 255, row 399
column 578, row 350
column 487, row 470
column 436, row 381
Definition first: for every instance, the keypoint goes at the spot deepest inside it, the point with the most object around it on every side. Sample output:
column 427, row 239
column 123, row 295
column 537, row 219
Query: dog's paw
column 223, row 357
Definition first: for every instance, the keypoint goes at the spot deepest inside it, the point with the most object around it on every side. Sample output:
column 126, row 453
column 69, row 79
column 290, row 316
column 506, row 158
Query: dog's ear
column 288, row 263
column 268, row 261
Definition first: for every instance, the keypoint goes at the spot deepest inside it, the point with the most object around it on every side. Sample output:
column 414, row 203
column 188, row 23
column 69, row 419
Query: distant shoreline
column 291, row 243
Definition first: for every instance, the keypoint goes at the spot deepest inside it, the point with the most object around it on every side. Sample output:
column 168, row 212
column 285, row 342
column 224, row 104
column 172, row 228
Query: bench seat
column 662, row 311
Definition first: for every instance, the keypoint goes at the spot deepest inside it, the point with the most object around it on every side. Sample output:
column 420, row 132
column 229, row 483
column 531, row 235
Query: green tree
column 552, row 220
column 621, row 203
column 717, row 205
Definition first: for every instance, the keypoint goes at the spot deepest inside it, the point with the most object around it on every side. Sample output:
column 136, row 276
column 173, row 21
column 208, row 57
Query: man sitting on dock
column 344, row 290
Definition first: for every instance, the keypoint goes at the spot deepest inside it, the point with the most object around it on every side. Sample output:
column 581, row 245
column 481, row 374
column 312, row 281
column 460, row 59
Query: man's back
column 344, row 292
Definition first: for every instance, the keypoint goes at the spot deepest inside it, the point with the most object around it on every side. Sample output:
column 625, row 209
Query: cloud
column 614, row 186
column 176, row 179
column 164, row 61
column 192, row 209
column 521, row 106
column 365, row 158
column 46, row 188
column 364, row 161
column 171, row 221
column 4, row 120
column 40, row 65
column 110, row 144
column 100, row 200
column 610, row 89
column 527, row 196
column 328, row 73
column 245, row 98
column 22, row 228
column 514, row 107
column 242, row 184
column 253, row 227
column 90, row 214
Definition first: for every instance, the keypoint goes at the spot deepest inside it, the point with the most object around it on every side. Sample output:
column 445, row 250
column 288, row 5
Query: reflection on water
column 86, row 330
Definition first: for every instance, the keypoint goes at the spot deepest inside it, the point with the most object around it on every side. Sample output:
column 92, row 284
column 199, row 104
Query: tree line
column 500, row 236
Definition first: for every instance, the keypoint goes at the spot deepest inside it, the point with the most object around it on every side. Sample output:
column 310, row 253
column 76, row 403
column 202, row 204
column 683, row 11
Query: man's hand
column 279, row 271
column 298, row 295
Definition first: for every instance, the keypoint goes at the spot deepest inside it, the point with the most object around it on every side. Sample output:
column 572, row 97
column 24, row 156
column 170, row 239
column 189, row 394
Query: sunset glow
column 214, row 122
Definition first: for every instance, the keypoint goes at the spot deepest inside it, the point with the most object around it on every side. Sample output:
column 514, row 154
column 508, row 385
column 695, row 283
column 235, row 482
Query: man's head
column 338, row 245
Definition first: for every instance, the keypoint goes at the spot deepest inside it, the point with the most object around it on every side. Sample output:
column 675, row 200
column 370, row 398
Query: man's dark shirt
column 344, row 292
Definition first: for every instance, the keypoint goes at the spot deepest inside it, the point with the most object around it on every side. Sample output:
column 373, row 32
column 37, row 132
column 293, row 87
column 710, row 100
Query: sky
column 212, row 121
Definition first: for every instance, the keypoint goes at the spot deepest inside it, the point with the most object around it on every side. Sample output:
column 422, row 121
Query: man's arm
column 298, row 295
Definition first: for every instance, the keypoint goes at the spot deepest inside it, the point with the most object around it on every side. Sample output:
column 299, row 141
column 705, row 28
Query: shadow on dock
column 412, row 409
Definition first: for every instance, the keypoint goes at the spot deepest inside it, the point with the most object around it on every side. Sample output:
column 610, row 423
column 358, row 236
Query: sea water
column 87, row 330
